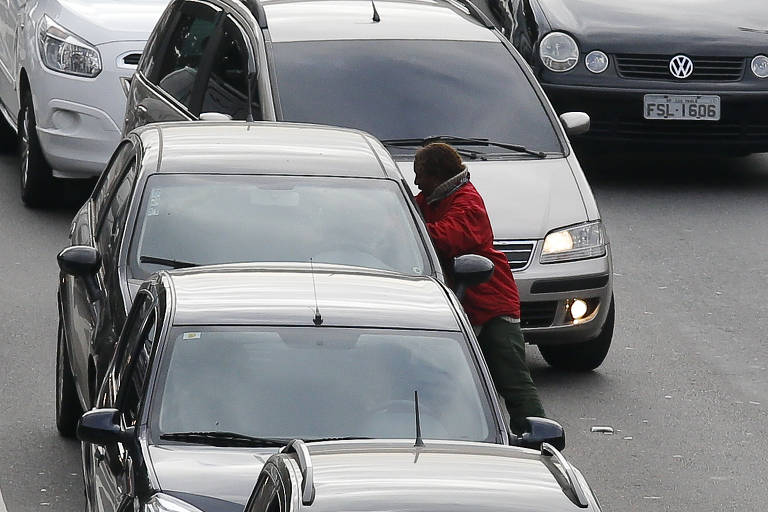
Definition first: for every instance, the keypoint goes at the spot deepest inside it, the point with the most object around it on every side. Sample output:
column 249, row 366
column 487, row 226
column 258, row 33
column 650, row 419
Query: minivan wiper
column 474, row 155
column 216, row 438
column 167, row 262
column 452, row 139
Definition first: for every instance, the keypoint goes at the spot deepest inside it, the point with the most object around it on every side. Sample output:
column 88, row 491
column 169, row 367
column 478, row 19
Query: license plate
column 680, row 107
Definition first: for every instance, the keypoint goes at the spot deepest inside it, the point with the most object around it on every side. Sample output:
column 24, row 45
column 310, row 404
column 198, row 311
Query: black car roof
column 284, row 294
column 234, row 147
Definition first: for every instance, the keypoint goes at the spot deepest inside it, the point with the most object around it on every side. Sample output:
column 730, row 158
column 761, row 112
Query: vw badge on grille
column 681, row 66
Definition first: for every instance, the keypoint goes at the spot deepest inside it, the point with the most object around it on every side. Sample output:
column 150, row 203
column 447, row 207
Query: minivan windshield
column 187, row 220
column 397, row 89
column 318, row 383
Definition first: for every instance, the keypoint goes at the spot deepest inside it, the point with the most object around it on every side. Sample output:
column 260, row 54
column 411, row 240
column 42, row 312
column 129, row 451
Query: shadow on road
column 675, row 171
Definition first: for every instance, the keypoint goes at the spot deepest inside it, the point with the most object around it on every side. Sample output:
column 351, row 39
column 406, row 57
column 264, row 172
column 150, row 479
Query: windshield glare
column 209, row 219
column 413, row 89
column 310, row 383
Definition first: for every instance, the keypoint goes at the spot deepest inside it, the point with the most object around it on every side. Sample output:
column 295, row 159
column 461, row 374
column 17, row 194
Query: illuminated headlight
column 165, row 503
column 596, row 61
column 559, row 52
column 760, row 66
column 62, row 51
column 576, row 243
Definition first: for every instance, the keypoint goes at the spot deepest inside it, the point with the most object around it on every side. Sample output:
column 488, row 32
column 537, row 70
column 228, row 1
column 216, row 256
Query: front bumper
column 617, row 118
column 546, row 290
column 80, row 120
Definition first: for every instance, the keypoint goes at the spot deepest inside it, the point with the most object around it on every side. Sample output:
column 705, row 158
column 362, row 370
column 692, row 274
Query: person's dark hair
column 439, row 160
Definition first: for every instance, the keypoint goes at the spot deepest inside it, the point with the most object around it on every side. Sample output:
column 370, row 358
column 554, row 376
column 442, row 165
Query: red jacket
column 459, row 225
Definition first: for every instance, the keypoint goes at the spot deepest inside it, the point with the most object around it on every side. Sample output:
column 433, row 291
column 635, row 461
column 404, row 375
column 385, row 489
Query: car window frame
column 105, row 184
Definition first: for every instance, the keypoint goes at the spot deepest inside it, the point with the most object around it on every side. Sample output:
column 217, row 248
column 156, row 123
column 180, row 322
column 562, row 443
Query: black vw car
column 189, row 194
column 671, row 74
column 434, row 476
column 218, row 367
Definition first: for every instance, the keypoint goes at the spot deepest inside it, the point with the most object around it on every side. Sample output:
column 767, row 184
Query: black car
column 674, row 75
column 190, row 194
column 406, row 476
column 218, row 367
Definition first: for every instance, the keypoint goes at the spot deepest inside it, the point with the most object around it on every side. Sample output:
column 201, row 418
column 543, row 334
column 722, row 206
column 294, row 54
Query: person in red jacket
column 458, row 224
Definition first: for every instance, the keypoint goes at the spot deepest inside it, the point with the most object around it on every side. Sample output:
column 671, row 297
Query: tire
column 68, row 409
column 36, row 176
column 585, row 356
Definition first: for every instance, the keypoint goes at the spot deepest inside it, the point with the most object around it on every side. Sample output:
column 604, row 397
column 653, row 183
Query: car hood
column 662, row 26
column 105, row 21
column 213, row 479
column 525, row 199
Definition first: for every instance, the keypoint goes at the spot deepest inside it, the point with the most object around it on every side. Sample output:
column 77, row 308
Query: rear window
column 413, row 89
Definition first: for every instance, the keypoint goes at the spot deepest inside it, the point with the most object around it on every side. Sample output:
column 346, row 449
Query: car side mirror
column 102, row 426
column 214, row 116
column 82, row 261
column 541, row 430
column 470, row 270
column 575, row 123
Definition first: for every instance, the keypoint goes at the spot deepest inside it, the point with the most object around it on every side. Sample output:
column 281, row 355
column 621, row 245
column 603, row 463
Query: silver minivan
column 408, row 73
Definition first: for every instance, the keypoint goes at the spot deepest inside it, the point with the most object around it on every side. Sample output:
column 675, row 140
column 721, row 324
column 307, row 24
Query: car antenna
column 318, row 320
column 419, row 442
column 376, row 17
column 251, row 78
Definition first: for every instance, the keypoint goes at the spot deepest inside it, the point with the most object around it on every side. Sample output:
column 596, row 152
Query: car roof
column 284, row 294
column 327, row 20
column 441, row 476
column 238, row 147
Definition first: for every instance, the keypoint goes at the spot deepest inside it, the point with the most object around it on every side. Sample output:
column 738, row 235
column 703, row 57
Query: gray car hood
column 712, row 25
column 525, row 199
column 105, row 21
column 227, row 474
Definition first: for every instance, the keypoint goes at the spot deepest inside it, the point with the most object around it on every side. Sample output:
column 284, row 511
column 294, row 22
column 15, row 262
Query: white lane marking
column 2, row 503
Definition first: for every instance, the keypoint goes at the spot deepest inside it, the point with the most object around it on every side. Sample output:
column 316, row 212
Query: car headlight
column 559, row 52
column 575, row 243
column 596, row 61
column 760, row 66
column 63, row 51
column 165, row 503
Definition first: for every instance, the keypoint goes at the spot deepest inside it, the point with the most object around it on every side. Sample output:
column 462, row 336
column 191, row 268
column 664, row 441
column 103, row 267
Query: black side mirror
column 82, row 261
column 541, row 430
column 470, row 270
column 102, row 426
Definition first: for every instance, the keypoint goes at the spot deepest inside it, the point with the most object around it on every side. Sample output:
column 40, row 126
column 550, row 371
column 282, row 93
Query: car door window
column 184, row 53
column 134, row 371
column 114, row 215
column 108, row 178
column 226, row 89
column 265, row 494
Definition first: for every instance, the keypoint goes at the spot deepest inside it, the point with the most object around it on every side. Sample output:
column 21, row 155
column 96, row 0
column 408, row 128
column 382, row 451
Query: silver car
column 408, row 73
column 65, row 67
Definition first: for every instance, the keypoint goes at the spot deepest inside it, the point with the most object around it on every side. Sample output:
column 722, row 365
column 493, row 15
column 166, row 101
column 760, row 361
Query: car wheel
column 585, row 356
column 36, row 176
column 68, row 409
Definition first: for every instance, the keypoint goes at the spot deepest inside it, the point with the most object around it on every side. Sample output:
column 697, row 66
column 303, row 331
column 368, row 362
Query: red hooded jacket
column 459, row 224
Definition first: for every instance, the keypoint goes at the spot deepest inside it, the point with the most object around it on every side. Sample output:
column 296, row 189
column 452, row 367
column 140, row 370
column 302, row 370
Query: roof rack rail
column 573, row 481
column 298, row 447
column 475, row 12
column 258, row 12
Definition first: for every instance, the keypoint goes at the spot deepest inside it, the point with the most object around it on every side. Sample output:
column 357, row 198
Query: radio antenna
column 376, row 17
column 318, row 320
column 419, row 442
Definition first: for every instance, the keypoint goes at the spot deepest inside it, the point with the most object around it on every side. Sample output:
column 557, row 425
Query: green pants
column 503, row 346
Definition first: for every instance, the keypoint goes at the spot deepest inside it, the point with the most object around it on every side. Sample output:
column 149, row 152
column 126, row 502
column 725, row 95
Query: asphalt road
column 684, row 387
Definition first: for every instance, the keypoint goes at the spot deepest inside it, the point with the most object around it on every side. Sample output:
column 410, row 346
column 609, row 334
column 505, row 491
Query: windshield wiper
column 472, row 141
column 216, row 438
column 167, row 262
column 320, row 439
column 474, row 155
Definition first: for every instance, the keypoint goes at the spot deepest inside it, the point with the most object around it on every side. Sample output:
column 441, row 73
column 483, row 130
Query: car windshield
column 318, row 383
column 187, row 220
column 397, row 89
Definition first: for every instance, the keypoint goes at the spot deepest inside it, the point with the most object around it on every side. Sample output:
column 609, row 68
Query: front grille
column 537, row 314
column 132, row 59
column 518, row 253
column 656, row 67
column 734, row 132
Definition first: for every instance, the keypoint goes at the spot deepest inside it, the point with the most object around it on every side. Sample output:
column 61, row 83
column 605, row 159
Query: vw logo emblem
column 681, row 66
